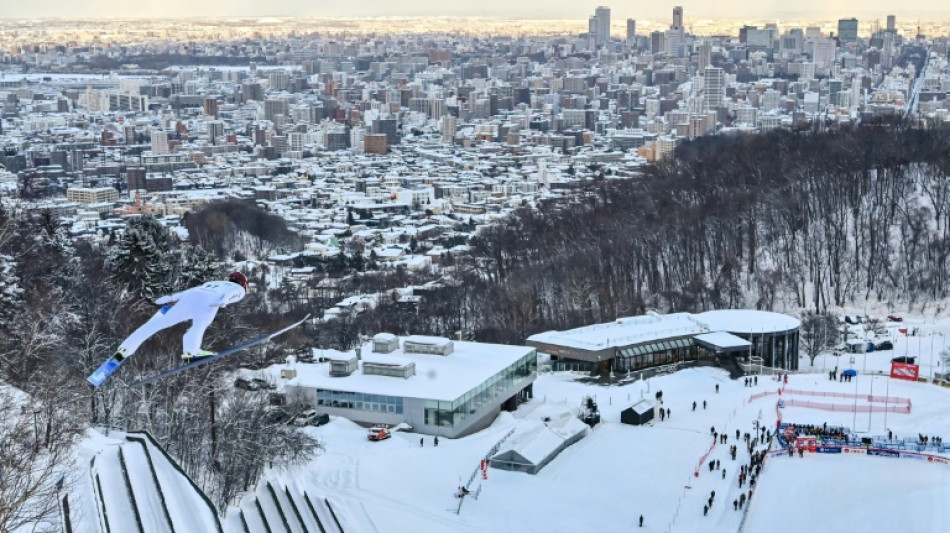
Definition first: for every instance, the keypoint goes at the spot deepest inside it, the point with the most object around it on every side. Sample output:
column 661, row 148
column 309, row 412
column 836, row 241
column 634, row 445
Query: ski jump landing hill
column 131, row 485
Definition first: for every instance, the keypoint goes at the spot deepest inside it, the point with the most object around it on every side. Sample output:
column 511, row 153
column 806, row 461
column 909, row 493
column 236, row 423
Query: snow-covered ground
column 619, row 472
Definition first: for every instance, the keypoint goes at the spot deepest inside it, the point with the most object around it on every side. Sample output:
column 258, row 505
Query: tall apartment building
column 703, row 56
column 449, row 128
column 159, row 142
column 375, row 143
column 274, row 107
column 714, row 88
column 631, row 31
column 210, row 106
column 891, row 23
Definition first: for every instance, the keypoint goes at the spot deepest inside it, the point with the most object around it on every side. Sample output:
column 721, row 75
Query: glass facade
column 448, row 414
column 376, row 403
column 656, row 353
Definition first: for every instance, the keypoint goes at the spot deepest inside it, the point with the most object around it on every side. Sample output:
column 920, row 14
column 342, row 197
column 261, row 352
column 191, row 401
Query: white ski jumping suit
column 198, row 304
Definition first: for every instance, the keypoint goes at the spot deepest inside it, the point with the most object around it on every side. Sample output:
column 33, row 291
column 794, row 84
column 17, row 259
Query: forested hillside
column 783, row 220
column 65, row 306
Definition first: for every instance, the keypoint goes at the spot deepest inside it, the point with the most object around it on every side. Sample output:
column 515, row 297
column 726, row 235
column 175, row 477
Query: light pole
column 870, row 397
column 931, row 334
column 887, row 399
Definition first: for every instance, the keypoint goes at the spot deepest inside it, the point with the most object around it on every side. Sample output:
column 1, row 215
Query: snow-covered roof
column 437, row 378
column 642, row 406
column 623, row 332
column 722, row 339
column 747, row 321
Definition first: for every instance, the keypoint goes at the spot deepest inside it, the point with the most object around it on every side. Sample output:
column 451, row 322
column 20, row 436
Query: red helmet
column 237, row 277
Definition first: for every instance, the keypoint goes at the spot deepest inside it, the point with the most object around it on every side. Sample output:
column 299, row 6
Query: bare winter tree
column 818, row 332
column 33, row 465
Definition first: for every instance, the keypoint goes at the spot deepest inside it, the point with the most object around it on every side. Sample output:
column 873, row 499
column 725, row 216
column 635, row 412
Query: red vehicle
column 378, row 433
column 894, row 318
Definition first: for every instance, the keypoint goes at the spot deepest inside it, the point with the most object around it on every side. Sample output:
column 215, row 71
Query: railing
column 494, row 449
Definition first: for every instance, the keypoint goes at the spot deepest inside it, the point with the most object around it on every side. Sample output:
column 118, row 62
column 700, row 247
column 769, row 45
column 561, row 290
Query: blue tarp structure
column 850, row 372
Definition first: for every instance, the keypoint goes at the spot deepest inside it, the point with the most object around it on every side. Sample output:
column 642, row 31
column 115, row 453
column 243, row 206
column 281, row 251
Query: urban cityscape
column 515, row 273
column 317, row 118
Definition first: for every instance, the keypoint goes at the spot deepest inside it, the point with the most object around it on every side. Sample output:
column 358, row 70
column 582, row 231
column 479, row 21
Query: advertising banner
column 828, row 449
column 807, row 442
column 883, row 452
column 908, row 455
column 904, row 371
column 937, row 459
column 854, row 451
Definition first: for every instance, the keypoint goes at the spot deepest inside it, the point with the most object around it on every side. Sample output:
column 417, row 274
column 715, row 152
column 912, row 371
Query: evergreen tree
column 139, row 257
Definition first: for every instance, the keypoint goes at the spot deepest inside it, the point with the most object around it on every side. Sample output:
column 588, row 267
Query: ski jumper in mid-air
column 197, row 304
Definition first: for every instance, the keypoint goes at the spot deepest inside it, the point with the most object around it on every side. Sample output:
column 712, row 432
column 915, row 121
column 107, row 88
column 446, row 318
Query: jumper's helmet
column 237, row 277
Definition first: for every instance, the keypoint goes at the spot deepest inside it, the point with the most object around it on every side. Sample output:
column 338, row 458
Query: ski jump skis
column 111, row 365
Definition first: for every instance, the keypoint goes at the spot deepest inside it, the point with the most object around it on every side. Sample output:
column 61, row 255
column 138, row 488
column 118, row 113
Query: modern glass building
column 652, row 340
column 443, row 387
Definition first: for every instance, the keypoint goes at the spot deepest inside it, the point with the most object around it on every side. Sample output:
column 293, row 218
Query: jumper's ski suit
column 198, row 304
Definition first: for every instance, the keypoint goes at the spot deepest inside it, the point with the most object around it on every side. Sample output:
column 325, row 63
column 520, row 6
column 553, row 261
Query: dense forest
column 781, row 221
column 66, row 305
column 787, row 221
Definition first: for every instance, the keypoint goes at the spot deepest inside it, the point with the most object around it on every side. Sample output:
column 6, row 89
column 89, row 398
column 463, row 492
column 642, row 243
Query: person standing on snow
column 197, row 304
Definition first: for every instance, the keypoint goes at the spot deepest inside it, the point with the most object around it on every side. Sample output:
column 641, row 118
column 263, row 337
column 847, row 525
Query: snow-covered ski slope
column 133, row 486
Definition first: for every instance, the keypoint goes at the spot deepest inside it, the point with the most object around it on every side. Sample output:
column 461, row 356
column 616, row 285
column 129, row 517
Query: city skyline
column 529, row 9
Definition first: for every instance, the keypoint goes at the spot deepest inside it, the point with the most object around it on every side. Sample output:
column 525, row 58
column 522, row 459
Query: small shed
column 637, row 414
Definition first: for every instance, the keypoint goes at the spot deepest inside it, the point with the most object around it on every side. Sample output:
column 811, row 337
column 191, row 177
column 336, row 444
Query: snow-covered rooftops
column 436, row 378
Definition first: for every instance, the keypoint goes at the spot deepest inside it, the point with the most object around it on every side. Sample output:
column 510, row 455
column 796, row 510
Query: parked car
column 894, row 318
column 263, row 383
column 277, row 398
column 276, row 415
column 378, row 433
column 311, row 418
column 886, row 345
column 247, row 384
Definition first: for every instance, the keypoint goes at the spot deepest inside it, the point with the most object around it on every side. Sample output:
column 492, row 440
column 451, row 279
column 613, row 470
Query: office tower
column 848, row 30
column 674, row 36
column 631, row 31
column 657, row 42
column 159, row 142
column 600, row 26
column 891, row 23
column 714, row 88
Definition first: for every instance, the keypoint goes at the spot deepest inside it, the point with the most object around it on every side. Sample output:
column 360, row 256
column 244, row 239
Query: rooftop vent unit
column 427, row 345
column 385, row 343
column 343, row 367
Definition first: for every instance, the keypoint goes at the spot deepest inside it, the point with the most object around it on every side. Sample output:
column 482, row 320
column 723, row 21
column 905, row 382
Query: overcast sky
column 534, row 9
